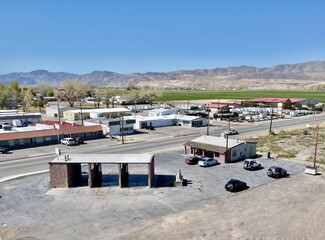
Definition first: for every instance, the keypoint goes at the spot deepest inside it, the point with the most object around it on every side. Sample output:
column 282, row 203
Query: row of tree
column 72, row 91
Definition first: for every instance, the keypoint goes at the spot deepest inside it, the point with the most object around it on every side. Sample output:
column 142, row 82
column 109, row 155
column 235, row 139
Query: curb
column 5, row 179
column 28, row 156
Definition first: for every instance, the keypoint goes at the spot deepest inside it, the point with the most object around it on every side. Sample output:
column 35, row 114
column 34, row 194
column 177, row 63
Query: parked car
column 79, row 139
column 235, row 185
column 206, row 162
column 4, row 150
column 231, row 131
column 276, row 172
column 68, row 141
column 192, row 160
column 251, row 164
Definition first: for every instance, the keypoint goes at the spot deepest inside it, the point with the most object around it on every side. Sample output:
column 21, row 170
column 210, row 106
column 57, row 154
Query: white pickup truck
column 68, row 141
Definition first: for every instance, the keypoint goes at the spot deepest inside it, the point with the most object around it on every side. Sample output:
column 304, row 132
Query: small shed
column 225, row 150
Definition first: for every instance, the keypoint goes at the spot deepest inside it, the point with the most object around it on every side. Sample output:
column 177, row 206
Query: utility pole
column 122, row 128
column 270, row 130
column 81, row 116
column 188, row 102
column 228, row 119
column 58, row 99
column 226, row 153
column 316, row 144
column 208, row 110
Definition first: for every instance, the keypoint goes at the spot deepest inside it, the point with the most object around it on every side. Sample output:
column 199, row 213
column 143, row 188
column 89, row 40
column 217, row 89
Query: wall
column 58, row 175
column 74, row 174
column 242, row 152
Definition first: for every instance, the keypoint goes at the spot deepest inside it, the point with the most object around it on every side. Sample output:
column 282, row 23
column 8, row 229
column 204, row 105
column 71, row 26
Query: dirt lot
column 296, row 144
column 288, row 209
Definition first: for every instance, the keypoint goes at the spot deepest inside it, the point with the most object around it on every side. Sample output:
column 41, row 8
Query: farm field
column 235, row 94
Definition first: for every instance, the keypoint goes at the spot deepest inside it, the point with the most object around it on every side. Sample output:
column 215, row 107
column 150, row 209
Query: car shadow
column 9, row 152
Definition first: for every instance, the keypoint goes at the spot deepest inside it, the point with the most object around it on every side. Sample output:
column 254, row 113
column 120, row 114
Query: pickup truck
column 68, row 141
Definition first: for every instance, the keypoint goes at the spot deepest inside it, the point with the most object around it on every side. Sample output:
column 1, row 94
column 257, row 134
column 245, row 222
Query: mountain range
column 289, row 76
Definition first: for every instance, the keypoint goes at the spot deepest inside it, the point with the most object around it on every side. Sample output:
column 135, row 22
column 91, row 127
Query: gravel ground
column 293, row 208
column 289, row 208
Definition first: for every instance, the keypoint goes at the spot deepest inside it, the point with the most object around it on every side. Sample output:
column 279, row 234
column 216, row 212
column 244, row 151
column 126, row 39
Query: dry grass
column 293, row 144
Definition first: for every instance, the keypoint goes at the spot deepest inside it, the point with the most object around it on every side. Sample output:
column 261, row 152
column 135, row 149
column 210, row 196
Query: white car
column 231, row 131
column 206, row 162
column 68, row 141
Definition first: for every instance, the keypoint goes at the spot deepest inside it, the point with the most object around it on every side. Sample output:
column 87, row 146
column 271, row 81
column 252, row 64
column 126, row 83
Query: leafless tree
column 134, row 97
column 73, row 90
column 150, row 96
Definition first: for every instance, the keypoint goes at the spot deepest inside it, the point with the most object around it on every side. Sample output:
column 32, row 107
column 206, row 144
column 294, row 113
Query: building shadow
column 165, row 181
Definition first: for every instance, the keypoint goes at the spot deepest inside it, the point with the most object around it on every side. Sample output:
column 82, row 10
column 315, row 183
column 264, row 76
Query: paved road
column 21, row 162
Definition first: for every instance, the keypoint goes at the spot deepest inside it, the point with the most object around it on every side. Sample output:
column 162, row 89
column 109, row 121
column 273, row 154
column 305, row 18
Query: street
column 27, row 161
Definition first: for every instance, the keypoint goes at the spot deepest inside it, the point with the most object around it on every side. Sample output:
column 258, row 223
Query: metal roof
column 269, row 100
column 105, row 158
column 211, row 143
column 101, row 110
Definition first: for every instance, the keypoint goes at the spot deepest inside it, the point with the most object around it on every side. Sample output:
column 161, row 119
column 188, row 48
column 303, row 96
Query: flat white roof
column 101, row 110
column 218, row 141
column 28, row 128
column 168, row 117
column 105, row 158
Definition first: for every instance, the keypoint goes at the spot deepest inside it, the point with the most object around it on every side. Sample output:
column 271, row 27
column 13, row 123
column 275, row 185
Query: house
column 74, row 115
column 280, row 103
column 113, row 126
column 169, row 120
column 225, row 150
column 52, row 110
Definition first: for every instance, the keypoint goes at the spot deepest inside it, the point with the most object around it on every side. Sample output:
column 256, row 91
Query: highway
column 33, row 164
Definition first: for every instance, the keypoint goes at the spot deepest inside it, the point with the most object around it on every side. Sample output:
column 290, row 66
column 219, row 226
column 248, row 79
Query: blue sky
column 128, row 36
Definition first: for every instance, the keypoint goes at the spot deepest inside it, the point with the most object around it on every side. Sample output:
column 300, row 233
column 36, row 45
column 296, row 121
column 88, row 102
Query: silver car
column 251, row 164
column 206, row 162
column 231, row 131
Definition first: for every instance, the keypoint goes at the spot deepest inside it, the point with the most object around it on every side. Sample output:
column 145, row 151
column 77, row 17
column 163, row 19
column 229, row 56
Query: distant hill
column 289, row 76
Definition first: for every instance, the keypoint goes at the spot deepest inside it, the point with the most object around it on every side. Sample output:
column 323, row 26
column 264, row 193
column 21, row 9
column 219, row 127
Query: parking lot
column 109, row 211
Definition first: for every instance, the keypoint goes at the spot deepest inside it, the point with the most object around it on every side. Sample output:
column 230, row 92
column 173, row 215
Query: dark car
column 235, row 185
column 276, row 172
column 79, row 140
column 4, row 150
column 192, row 160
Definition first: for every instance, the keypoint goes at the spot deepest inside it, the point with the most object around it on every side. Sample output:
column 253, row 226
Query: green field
column 238, row 95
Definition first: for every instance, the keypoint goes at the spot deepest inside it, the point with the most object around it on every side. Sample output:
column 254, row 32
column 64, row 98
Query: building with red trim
column 47, row 133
